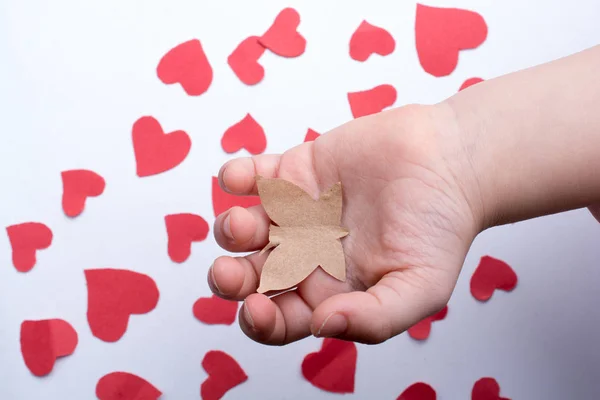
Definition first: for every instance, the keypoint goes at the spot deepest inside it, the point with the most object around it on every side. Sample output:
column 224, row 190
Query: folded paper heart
column 282, row 38
column 492, row 274
column 224, row 373
column 25, row 240
column 421, row 330
column 125, row 386
column 187, row 65
column 215, row 310
column 371, row 101
column 245, row 134
column 78, row 185
column 418, row 391
column 182, row 231
column 333, row 367
column 486, row 389
column 370, row 39
column 244, row 61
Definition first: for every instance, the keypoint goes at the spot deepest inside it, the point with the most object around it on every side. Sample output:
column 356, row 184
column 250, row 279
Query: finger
column 235, row 278
column 237, row 176
column 242, row 229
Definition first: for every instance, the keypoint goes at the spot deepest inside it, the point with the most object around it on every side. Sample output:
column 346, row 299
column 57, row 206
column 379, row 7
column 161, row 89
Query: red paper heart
column 370, row 39
column 215, row 310
column 469, row 82
column 125, row 386
column 182, row 230
column 187, row 65
column 25, row 239
column 333, row 367
column 441, row 33
column 223, row 201
column 486, row 389
column 155, row 151
column 245, row 134
column 114, row 295
column 418, row 391
column 78, row 185
column 421, row 330
column 492, row 274
column 282, row 38
column 42, row 342
column 244, row 61
column 371, row 101
column 224, row 373
column 311, row 135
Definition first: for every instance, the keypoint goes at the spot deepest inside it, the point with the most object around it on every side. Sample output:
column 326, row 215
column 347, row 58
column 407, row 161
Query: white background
column 75, row 75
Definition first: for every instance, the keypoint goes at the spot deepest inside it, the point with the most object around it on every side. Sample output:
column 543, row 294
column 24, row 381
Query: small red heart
column 371, row 101
column 469, row 82
column 245, row 134
column 155, row 151
column 282, row 38
column 187, row 65
column 492, row 274
column 421, row 330
column 114, row 295
column 244, row 61
column 223, row 201
column 215, row 310
column 333, row 367
column 418, row 391
column 441, row 33
column 78, row 185
column 486, row 389
column 311, row 135
column 224, row 373
column 25, row 239
column 370, row 39
column 125, row 386
column 182, row 230
column 43, row 341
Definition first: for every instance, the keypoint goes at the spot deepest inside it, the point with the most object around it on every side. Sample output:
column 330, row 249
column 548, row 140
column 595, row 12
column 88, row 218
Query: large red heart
column 371, row 101
column 486, row 389
column 182, row 230
column 492, row 274
column 245, row 134
column 224, row 373
column 215, row 310
column 244, row 61
column 418, row 391
column 155, row 151
column 187, row 65
column 441, row 33
column 370, row 39
column 114, row 295
column 421, row 330
column 125, row 386
column 282, row 38
column 26, row 239
column 333, row 367
column 78, row 185
column 43, row 341
column 223, row 201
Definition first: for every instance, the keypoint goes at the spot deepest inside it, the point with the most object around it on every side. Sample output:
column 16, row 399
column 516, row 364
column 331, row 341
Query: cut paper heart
column 25, row 240
column 244, row 61
column 125, row 386
column 418, row 391
column 182, row 230
column 370, row 39
column 492, row 274
column 215, row 310
column 43, row 341
column 486, row 389
column 333, row 367
column 223, row 201
column 78, row 185
column 245, row 134
column 371, row 101
column 421, row 330
column 469, row 82
column 155, row 151
column 114, row 295
column 282, row 38
column 311, row 135
column 224, row 373
column 187, row 65
column 441, row 33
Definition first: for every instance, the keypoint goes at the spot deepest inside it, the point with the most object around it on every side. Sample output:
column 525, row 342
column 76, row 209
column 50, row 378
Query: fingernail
column 247, row 316
column 335, row 324
column 212, row 278
column 221, row 175
column 227, row 226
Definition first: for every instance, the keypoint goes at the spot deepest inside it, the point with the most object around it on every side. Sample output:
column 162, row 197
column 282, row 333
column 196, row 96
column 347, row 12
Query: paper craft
column 486, row 389
column 282, row 38
column 307, row 234
column 25, row 240
column 421, row 330
column 114, row 295
column 371, row 101
column 187, row 65
column 333, row 367
column 311, row 135
column 223, row 201
column 245, row 134
column 182, row 230
column 224, row 373
column 469, row 82
column 492, row 274
column 370, row 39
column 125, row 386
column 418, row 391
column 42, row 342
column 244, row 61
column 215, row 310
column 441, row 33
column 155, row 151
column 78, row 185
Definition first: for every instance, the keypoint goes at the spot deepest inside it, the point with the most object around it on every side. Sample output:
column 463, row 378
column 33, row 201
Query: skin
column 420, row 183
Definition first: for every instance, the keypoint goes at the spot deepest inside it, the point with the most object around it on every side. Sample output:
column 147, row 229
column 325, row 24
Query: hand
column 410, row 218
